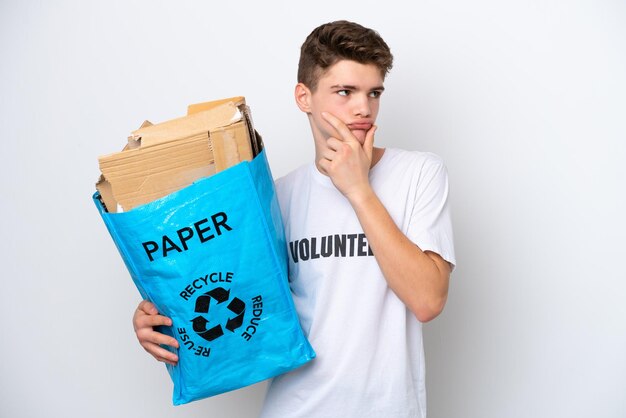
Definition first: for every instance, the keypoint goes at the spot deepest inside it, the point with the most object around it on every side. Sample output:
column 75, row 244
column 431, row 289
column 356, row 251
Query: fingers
column 145, row 319
column 333, row 145
column 147, row 315
column 147, row 307
column 149, row 321
column 148, row 336
column 347, row 135
column 324, row 165
column 160, row 353
column 339, row 126
column 368, row 144
column 151, row 341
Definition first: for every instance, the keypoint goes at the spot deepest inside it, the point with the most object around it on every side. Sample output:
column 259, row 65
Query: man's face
column 351, row 92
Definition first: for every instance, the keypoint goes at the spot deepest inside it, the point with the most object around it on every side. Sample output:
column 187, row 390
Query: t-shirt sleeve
column 430, row 226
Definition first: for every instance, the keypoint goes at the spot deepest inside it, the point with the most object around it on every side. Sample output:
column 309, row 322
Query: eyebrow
column 350, row 87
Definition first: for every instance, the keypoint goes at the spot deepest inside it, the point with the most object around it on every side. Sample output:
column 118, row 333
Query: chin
column 359, row 135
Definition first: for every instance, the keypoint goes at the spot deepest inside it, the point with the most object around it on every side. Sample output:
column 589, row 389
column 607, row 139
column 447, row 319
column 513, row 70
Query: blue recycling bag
column 212, row 257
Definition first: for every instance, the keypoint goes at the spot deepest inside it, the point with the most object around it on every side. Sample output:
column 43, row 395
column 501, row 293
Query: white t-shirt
column 370, row 357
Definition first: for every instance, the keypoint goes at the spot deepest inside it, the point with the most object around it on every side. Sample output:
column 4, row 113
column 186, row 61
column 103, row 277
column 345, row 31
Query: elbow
column 429, row 310
column 430, row 298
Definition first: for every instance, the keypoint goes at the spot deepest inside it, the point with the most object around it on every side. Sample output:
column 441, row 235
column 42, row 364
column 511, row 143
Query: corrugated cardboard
column 162, row 158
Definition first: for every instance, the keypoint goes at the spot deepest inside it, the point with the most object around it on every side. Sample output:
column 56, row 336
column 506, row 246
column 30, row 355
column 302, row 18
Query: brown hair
column 334, row 41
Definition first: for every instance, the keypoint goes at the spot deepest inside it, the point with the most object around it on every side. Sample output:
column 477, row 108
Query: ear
column 303, row 97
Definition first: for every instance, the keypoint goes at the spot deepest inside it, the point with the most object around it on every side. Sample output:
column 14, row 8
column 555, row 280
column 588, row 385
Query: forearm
column 418, row 278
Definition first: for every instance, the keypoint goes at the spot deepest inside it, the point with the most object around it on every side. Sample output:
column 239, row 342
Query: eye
column 375, row 94
column 343, row 92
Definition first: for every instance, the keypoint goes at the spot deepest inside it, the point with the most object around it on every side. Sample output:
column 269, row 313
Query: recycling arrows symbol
column 203, row 303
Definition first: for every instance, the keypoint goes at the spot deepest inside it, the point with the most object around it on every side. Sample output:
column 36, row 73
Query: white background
column 525, row 101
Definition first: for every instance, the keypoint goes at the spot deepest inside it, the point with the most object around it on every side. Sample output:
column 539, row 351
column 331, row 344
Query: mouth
column 360, row 126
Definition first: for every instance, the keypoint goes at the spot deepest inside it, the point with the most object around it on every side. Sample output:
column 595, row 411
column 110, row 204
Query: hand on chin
column 359, row 134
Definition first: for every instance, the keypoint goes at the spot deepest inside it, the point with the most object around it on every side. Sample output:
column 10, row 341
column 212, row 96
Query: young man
column 370, row 244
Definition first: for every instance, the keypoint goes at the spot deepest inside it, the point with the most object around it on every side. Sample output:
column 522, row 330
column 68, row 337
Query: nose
column 362, row 105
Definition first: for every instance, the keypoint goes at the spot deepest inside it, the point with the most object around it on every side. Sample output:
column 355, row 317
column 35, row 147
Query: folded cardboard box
column 162, row 158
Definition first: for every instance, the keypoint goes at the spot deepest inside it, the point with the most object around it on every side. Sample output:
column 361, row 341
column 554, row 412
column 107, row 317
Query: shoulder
column 292, row 177
column 419, row 163
column 286, row 184
column 413, row 157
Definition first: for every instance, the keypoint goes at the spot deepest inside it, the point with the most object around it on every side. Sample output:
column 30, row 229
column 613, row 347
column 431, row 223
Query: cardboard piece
column 162, row 158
